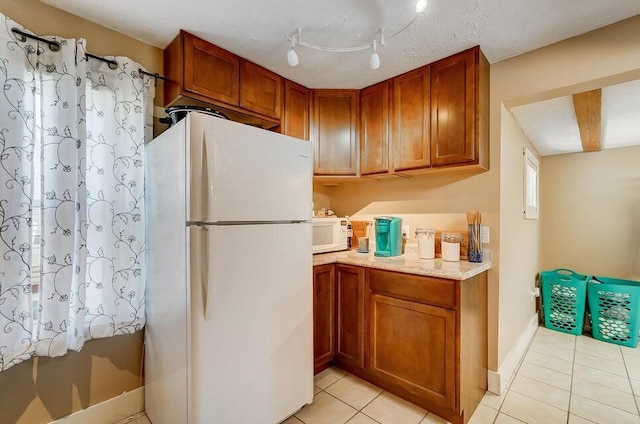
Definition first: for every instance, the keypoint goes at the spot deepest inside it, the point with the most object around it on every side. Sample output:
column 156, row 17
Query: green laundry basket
column 564, row 295
column 615, row 309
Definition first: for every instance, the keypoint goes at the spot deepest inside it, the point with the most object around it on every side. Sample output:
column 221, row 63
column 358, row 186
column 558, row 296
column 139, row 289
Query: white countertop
column 408, row 263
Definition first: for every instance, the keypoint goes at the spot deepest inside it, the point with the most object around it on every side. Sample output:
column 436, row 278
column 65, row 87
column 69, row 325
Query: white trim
column 108, row 412
column 498, row 381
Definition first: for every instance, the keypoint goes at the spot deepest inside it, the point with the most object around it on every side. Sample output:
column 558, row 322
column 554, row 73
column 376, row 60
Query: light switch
column 405, row 231
column 485, row 234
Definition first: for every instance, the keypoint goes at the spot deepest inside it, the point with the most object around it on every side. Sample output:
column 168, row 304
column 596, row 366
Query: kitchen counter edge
column 406, row 263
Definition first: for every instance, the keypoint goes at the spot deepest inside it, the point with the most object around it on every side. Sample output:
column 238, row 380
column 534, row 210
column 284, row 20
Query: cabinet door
column 411, row 120
column 296, row 110
column 374, row 127
column 323, row 316
column 260, row 89
column 412, row 346
column 350, row 315
column 453, row 109
column 334, row 130
column 210, row 71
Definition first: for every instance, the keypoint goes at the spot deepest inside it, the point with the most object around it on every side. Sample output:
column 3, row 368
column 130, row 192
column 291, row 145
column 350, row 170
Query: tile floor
column 562, row 379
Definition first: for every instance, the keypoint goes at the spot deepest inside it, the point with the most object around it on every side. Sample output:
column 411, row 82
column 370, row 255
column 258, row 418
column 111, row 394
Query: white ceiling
column 552, row 127
column 257, row 29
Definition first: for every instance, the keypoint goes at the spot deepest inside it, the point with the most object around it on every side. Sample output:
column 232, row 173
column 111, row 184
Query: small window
column 531, row 183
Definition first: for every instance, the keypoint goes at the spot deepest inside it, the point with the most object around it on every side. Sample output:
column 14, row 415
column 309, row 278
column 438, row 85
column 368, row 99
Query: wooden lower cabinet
column 324, row 295
column 350, row 315
column 421, row 338
column 412, row 346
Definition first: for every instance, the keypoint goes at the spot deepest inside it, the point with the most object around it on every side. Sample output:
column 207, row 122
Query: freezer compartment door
column 252, row 356
column 243, row 174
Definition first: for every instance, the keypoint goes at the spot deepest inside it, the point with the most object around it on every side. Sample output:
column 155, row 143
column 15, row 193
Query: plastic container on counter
column 450, row 245
column 426, row 243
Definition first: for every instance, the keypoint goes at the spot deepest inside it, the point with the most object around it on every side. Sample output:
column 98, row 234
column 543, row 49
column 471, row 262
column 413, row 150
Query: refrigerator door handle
column 205, row 271
column 205, row 184
column 200, row 264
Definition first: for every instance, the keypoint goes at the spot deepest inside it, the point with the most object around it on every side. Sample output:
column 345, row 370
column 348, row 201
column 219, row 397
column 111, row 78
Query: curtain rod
column 54, row 46
column 114, row 65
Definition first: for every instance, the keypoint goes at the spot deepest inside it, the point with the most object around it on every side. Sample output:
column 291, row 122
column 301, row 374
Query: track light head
column 374, row 60
column 421, row 5
column 292, row 57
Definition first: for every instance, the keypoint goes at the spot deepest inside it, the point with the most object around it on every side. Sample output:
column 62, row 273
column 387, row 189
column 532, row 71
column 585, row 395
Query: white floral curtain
column 63, row 201
column 17, row 127
column 90, row 135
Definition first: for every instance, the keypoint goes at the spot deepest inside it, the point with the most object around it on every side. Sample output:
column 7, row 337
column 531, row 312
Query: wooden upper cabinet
column 410, row 128
column 209, row 70
column 350, row 298
column 334, row 131
column 295, row 120
column 260, row 89
column 374, row 129
column 454, row 108
column 201, row 74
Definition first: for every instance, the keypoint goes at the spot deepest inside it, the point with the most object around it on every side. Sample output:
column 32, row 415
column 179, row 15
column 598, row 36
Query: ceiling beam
column 588, row 111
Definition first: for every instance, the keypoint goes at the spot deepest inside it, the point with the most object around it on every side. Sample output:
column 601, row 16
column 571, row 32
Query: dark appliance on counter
column 177, row 113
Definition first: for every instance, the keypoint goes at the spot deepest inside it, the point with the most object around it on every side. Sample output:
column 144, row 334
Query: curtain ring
column 22, row 36
column 19, row 34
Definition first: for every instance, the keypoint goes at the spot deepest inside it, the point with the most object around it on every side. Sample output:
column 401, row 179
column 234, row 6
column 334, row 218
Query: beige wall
column 591, row 207
column 39, row 390
column 42, row 389
column 520, row 241
column 610, row 54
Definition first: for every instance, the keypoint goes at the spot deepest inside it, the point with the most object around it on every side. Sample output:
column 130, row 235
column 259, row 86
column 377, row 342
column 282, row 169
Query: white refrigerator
column 229, row 336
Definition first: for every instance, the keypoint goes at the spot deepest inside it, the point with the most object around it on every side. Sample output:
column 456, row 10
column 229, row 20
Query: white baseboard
column 108, row 412
column 498, row 381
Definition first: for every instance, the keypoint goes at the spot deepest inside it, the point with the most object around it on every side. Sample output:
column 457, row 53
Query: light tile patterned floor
column 562, row 379
column 569, row 379
column 343, row 398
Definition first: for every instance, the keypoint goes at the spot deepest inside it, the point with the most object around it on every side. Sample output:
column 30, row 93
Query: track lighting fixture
column 374, row 59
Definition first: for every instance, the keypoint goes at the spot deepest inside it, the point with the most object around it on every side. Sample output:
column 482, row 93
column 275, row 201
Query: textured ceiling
column 552, row 127
column 257, row 29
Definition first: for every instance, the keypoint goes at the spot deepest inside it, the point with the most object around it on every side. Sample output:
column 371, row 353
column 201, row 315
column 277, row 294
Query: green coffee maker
column 388, row 236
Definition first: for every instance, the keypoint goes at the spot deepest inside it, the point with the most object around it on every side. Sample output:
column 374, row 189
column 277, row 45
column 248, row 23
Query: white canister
column 451, row 246
column 426, row 243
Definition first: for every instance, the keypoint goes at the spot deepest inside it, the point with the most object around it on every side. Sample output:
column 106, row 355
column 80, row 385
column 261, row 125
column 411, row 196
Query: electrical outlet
column 405, row 231
column 485, row 234
column 535, row 292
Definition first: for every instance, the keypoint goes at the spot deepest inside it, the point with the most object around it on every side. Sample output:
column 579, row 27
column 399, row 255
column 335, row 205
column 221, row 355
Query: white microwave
column 329, row 234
